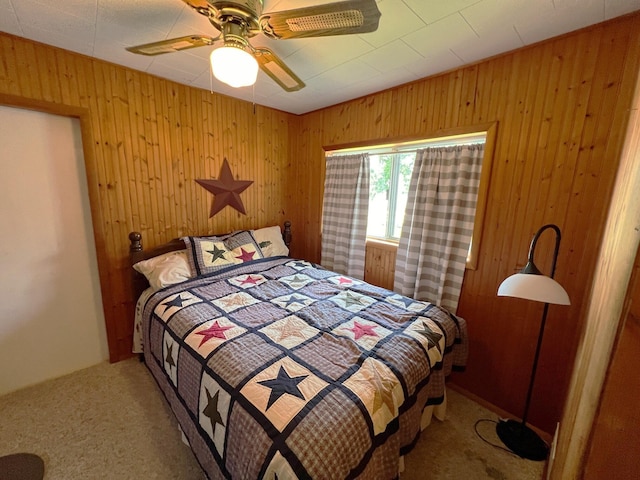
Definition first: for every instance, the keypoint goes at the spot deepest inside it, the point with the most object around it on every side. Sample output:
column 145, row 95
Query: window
column 390, row 174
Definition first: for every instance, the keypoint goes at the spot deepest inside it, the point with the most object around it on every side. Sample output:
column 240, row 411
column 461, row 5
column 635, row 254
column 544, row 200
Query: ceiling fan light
column 234, row 66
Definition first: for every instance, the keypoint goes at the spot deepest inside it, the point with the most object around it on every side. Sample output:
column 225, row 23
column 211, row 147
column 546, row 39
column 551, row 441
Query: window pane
column 380, row 174
column 406, row 161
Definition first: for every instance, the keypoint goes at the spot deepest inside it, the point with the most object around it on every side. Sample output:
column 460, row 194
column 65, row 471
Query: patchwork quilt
column 280, row 369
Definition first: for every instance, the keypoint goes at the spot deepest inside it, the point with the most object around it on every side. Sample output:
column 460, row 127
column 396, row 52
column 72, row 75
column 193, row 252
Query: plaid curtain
column 344, row 215
column 438, row 224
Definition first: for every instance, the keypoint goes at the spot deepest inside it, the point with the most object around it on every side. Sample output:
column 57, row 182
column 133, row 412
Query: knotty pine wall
column 562, row 108
column 145, row 141
column 615, row 438
column 380, row 264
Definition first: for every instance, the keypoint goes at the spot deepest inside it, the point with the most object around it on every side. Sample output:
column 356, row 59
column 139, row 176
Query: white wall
column 51, row 318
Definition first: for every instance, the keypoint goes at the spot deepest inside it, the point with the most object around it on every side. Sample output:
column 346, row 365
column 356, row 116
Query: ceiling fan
column 239, row 20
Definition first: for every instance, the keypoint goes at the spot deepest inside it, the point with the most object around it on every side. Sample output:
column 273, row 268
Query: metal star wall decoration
column 226, row 190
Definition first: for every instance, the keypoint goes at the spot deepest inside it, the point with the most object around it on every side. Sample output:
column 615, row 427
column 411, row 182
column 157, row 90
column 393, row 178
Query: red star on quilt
column 343, row 281
column 245, row 256
column 226, row 190
column 250, row 280
column 214, row 331
column 360, row 330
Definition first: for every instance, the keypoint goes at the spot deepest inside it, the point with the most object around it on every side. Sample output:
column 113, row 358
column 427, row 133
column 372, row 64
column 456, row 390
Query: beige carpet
column 111, row 422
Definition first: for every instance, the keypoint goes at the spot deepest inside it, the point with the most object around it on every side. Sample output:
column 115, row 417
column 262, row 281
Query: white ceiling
column 415, row 39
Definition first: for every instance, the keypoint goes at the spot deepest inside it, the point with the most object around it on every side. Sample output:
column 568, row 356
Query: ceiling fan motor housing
column 243, row 13
column 234, row 34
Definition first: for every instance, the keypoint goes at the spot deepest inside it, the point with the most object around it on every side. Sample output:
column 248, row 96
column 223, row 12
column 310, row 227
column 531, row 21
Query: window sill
column 382, row 244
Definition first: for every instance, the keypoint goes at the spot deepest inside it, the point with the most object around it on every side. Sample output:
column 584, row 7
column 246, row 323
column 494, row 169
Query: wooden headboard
column 137, row 254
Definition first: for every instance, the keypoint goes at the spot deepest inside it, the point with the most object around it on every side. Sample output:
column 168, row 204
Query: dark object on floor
column 521, row 440
column 21, row 466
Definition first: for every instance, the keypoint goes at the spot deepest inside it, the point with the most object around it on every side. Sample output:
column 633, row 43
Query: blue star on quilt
column 283, row 389
column 282, row 384
column 174, row 302
column 406, row 301
column 298, row 264
column 293, row 302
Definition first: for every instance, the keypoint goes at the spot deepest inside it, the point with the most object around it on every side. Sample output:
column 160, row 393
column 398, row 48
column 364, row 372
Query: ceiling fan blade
column 340, row 18
column 172, row 45
column 277, row 70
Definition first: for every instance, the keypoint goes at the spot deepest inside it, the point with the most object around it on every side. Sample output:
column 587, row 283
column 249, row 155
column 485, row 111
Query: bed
column 277, row 368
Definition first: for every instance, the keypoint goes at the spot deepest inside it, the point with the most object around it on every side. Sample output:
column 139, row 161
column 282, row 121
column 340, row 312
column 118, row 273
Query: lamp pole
column 531, row 265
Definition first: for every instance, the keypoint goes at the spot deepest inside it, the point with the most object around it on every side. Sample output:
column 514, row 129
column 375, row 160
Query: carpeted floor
column 111, row 422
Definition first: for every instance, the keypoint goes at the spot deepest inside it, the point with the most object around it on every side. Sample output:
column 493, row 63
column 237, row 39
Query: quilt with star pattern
column 280, row 369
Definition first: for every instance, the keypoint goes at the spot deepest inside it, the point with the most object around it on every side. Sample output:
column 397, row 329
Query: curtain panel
column 345, row 210
column 438, row 224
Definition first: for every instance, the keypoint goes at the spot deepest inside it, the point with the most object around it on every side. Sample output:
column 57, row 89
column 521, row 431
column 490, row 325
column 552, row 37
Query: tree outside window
column 390, row 175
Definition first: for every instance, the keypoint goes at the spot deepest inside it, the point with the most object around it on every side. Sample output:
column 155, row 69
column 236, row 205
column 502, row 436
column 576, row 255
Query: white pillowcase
column 270, row 241
column 166, row 269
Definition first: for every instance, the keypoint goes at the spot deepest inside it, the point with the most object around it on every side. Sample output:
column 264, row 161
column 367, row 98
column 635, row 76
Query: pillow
column 270, row 241
column 165, row 269
column 209, row 254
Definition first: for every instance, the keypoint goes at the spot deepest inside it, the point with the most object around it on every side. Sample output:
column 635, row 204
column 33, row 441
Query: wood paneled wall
column 615, row 440
column 380, row 264
column 145, row 141
column 562, row 109
column 607, row 306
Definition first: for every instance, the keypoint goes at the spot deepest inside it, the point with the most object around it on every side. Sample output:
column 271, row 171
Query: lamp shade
column 531, row 286
column 234, row 66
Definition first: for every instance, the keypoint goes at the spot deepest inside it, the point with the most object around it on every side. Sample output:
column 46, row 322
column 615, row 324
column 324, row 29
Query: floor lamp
column 531, row 284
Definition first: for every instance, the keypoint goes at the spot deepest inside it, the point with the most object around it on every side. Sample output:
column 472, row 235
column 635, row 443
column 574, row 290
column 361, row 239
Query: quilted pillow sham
column 209, row 254
column 166, row 269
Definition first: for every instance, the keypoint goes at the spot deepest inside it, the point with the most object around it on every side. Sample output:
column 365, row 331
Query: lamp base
column 521, row 440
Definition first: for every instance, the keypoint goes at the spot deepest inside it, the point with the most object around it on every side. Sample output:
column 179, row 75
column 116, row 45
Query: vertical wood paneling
column 561, row 108
column 380, row 264
column 615, row 440
column 146, row 141
column 612, row 291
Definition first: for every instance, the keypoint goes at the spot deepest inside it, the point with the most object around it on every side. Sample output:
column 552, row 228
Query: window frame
column 442, row 136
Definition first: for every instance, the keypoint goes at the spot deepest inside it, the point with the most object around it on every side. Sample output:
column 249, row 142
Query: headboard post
column 138, row 280
column 135, row 242
column 286, row 235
